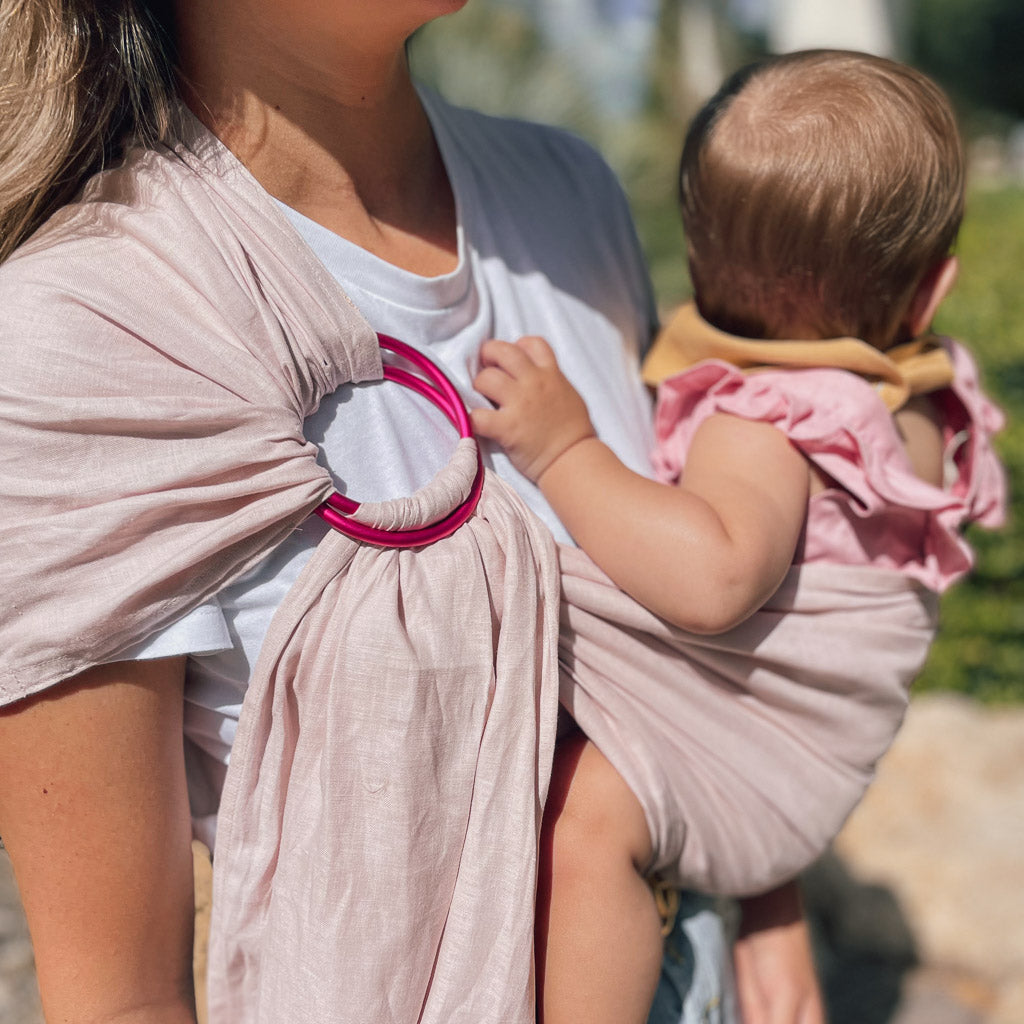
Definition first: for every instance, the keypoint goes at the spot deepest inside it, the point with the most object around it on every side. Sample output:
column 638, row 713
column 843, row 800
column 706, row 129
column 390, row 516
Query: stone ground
column 19, row 998
column 937, row 849
column 919, row 912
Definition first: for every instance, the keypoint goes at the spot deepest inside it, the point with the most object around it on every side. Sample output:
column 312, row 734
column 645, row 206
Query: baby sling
column 164, row 338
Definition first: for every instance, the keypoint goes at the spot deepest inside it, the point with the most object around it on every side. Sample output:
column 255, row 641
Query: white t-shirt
column 546, row 246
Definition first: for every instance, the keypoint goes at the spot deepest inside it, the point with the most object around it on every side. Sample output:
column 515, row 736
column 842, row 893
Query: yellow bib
column 913, row 368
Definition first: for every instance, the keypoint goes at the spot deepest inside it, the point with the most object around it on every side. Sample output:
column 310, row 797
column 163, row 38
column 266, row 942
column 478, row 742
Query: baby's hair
column 818, row 189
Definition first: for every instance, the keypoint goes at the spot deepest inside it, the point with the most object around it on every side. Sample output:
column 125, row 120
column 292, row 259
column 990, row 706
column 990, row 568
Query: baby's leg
column 599, row 939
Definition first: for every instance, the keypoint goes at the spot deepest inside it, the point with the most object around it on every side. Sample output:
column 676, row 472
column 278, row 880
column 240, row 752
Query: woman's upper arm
column 94, row 814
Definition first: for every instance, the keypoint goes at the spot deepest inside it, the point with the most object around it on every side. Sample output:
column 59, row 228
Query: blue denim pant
column 696, row 972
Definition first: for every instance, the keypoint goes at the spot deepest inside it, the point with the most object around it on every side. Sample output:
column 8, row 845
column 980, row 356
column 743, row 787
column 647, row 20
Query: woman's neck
column 328, row 121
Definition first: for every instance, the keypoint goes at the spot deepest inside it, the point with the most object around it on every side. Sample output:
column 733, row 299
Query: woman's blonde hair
column 818, row 189
column 78, row 80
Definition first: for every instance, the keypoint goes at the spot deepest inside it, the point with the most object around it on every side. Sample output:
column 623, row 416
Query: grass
column 980, row 649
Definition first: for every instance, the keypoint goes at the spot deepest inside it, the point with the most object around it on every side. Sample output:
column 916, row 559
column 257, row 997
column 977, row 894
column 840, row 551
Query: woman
column 446, row 229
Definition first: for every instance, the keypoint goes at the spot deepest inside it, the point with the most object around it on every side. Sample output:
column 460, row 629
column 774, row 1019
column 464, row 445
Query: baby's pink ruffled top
column 747, row 750
column 878, row 512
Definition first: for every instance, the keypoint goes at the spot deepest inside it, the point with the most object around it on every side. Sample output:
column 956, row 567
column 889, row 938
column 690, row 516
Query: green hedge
column 980, row 649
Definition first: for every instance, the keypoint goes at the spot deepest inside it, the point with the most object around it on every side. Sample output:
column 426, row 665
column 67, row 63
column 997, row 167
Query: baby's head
column 821, row 195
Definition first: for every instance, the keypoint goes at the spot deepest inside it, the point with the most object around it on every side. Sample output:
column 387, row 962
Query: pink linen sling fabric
column 378, row 832
column 746, row 750
column 162, row 341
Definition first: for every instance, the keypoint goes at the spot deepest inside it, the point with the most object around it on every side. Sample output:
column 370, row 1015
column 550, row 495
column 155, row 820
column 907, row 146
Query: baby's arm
column 703, row 555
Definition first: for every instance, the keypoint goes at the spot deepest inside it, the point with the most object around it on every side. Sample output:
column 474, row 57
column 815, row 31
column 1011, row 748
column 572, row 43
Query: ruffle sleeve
column 876, row 511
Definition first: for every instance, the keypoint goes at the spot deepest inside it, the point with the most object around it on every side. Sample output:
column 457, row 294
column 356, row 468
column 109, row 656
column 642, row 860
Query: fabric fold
column 449, row 489
column 382, row 808
column 746, row 750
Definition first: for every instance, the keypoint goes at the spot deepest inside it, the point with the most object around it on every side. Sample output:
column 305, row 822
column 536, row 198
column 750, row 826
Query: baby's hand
column 538, row 414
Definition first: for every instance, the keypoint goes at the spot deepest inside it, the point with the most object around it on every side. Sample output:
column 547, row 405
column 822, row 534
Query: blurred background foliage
column 974, row 47
column 980, row 647
column 631, row 94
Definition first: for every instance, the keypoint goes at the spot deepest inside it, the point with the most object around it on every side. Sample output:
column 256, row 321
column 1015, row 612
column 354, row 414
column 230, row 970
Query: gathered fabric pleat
column 377, row 845
column 432, row 501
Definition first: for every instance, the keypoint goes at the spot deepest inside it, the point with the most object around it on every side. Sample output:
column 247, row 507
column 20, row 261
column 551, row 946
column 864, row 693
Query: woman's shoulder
column 140, row 249
column 107, row 258
column 183, row 192
column 159, row 228
column 109, row 215
column 532, row 153
column 54, row 276
column 544, row 200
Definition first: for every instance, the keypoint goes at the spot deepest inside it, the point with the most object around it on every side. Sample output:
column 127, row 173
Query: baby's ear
column 933, row 289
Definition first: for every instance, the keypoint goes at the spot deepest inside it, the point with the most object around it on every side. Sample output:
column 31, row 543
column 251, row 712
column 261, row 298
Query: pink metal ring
column 437, row 388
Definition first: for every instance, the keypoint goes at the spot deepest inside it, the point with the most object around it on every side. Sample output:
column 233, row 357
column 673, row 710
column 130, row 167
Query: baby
column 817, row 455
